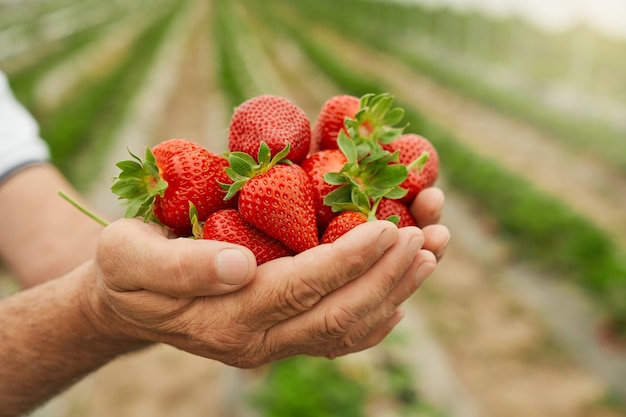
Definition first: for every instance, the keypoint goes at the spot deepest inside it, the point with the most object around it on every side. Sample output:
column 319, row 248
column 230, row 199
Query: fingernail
column 439, row 254
column 442, row 249
column 424, row 271
column 414, row 246
column 232, row 266
column 396, row 318
column 386, row 239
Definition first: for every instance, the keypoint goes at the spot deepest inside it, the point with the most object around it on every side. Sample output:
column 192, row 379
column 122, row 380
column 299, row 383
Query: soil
column 489, row 354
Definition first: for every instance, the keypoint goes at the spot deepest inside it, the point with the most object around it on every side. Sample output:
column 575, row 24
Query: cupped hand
column 427, row 209
column 209, row 298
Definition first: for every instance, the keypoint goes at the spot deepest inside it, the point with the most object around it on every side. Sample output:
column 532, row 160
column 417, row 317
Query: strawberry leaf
column 242, row 167
column 339, row 196
column 234, row 188
column 370, row 173
column 279, row 158
column 347, row 146
column 138, row 183
column 419, row 162
column 264, row 154
column 393, row 117
column 196, row 225
column 395, row 219
column 335, row 178
column 348, row 198
column 396, row 193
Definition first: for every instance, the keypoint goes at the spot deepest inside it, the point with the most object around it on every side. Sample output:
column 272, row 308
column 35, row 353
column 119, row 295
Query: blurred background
column 525, row 102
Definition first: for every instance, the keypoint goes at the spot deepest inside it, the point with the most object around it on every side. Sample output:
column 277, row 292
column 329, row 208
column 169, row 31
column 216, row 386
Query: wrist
column 101, row 321
column 52, row 335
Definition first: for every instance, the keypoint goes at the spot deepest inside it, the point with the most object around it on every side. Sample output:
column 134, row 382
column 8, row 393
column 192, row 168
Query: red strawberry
column 423, row 172
column 174, row 174
column 341, row 224
column 316, row 166
column 330, row 121
column 370, row 123
column 388, row 207
column 274, row 120
column 229, row 226
column 275, row 198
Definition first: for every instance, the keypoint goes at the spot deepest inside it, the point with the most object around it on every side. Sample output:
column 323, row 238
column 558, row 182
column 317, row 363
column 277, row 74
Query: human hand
column 427, row 209
column 328, row 301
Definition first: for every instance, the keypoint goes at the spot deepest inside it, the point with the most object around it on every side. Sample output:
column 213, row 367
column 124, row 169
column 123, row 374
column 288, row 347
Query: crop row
column 286, row 391
column 412, row 34
column 232, row 75
column 15, row 13
column 39, row 33
column 540, row 228
column 80, row 128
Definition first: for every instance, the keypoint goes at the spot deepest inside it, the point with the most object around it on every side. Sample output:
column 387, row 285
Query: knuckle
column 177, row 273
column 248, row 362
column 241, row 349
column 387, row 280
column 255, row 355
column 351, row 340
column 353, row 265
column 109, row 254
column 300, row 295
column 339, row 322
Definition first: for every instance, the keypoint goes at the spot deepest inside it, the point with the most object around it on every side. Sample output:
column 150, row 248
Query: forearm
column 48, row 341
column 43, row 235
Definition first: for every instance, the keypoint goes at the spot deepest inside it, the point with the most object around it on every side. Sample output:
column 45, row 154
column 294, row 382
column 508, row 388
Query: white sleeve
column 20, row 143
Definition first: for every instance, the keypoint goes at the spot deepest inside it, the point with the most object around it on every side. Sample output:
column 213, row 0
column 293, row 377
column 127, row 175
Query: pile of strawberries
column 285, row 186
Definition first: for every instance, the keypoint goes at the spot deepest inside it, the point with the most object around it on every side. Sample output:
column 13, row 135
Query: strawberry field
column 526, row 314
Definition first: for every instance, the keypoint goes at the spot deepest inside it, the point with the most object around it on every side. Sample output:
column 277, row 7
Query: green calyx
column 196, row 225
column 371, row 173
column 138, row 183
column 374, row 123
column 363, row 183
column 244, row 167
column 419, row 162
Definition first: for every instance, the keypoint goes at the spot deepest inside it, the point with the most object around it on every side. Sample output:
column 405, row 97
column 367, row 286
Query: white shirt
column 20, row 143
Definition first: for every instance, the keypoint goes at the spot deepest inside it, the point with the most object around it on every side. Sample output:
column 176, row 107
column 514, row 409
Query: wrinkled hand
column 209, row 298
column 427, row 209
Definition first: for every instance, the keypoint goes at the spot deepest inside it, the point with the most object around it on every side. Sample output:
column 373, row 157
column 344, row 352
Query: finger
column 376, row 336
column 428, row 206
column 134, row 256
column 337, row 314
column 298, row 283
column 437, row 238
column 369, row 330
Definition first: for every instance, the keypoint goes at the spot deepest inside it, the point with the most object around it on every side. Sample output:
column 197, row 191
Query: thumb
column 134, row 256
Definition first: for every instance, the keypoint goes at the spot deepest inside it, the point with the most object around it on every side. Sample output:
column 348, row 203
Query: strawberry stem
column 419, row 162
column 83, row 209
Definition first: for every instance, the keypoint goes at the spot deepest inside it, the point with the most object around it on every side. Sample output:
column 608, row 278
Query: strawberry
column 276, row 198
column 229, row 226
column 316, row 166
column 422, row 161
column 274, row 120
column 361, row 187
column 362, row 183
column 330, row 120
column 341, row 224
column 388, row 208
column 174, row 174
column 373, row 125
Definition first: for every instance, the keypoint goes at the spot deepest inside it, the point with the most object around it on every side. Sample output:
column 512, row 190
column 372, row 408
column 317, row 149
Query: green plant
column 541, row 229
column 309, row 387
